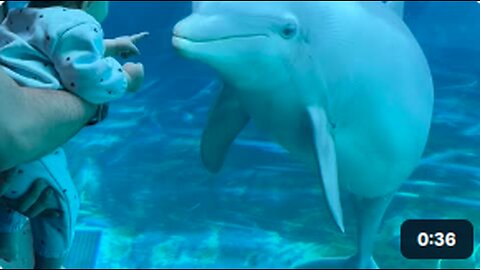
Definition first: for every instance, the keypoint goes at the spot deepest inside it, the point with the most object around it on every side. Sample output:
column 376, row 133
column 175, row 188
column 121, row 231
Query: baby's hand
column 135, row 75
column 125, row 46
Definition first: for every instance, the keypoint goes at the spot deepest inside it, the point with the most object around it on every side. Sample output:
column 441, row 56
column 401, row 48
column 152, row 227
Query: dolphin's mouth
column 215, row 39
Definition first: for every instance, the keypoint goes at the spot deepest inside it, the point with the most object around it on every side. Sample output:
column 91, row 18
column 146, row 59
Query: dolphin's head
column 244, row 41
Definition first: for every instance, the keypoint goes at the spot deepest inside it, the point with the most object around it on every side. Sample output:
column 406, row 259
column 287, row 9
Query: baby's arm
column 109, row 45
column 78, row 56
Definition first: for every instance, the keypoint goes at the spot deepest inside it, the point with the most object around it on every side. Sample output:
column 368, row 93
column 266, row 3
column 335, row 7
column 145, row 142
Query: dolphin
column 342, row 86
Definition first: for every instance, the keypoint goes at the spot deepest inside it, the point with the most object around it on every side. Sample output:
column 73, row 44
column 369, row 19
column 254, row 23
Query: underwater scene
column 147, row 201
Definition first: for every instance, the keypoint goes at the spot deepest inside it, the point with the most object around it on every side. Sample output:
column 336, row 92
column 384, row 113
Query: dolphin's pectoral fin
column 227, row 118
column 326, row 160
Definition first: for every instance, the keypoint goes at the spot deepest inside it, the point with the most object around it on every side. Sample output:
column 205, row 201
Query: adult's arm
column 3, row 10
column 34, row 122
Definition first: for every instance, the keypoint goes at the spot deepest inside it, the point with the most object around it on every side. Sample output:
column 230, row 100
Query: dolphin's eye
column 289, row 31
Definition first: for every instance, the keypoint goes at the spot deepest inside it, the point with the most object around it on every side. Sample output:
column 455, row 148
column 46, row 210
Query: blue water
column 144, row 187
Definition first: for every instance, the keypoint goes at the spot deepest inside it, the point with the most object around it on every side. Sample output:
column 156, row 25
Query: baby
column 59, row 45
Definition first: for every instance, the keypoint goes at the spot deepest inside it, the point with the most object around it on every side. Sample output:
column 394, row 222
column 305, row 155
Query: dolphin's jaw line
column 217, row 39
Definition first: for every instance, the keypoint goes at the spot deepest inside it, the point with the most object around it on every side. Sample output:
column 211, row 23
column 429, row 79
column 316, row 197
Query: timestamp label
column 437, row 239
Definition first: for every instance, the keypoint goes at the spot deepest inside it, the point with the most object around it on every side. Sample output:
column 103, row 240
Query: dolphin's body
column 344, row 86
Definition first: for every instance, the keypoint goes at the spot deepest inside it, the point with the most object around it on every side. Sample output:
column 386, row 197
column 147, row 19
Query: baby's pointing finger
column 139, row 36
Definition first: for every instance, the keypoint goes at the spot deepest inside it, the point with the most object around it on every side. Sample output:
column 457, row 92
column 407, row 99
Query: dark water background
column 144, row 187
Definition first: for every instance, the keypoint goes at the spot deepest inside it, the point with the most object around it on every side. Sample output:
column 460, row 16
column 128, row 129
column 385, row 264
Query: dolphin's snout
column 177, row 29
column 189, row 27
column 180, row 34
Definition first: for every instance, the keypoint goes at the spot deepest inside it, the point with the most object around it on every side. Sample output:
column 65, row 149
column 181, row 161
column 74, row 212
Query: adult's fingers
column 46, row 205
column 51, row 213
column 46, row 201
column 139, row 36
column 4, row 186
column 5, row 182
column 31, row 197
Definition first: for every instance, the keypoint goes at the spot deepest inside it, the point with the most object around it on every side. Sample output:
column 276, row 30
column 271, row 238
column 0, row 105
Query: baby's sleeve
column 78, row 56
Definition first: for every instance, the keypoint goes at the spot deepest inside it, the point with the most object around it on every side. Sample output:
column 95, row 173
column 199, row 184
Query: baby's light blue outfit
column 55, row 48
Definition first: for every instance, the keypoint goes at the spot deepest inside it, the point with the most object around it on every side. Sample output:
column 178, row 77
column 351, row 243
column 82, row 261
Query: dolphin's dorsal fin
column 227, row 118
column 397, row 7
column 326, row 159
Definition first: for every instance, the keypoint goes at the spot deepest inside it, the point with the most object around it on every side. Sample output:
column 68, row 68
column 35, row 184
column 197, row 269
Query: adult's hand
column 40, row 199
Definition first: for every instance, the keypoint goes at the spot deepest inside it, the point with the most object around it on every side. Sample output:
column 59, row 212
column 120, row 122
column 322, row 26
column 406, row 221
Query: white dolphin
column 344, row 86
